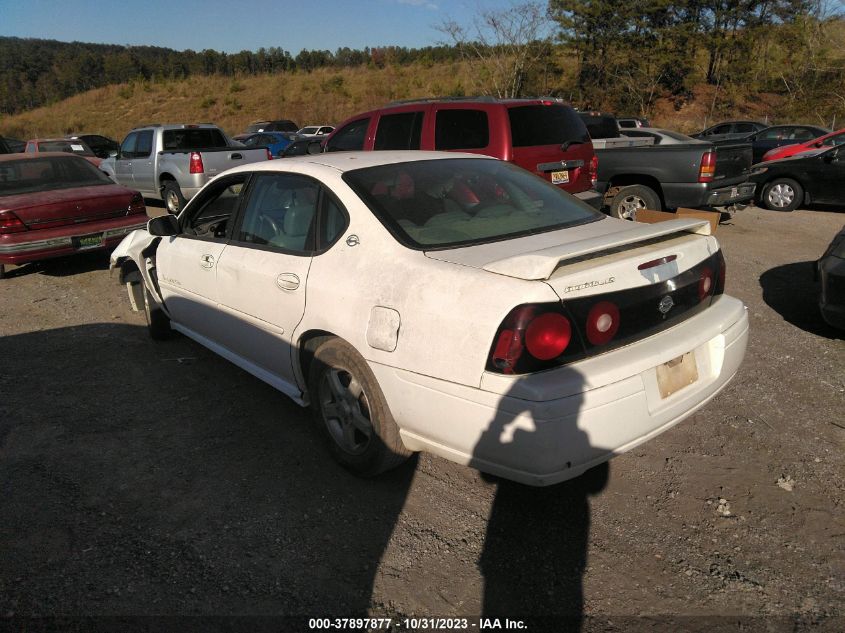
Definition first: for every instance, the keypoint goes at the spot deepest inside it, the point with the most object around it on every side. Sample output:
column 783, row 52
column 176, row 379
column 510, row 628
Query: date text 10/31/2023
column 415, row 624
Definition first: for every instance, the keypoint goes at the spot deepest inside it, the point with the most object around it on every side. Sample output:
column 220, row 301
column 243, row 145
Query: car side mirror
column 113, row 153
column 818, row 144
column 163, row 226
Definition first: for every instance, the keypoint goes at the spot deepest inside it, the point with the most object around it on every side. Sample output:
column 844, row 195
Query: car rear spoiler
column 541, row 264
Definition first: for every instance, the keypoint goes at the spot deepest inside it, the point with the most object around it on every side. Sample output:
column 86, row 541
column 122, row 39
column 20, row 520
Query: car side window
column 334, row 221
column 835, row 141
column 772, row 134
column 720, row 129
column 280, row 212
column 127, row 149
column 461, row 129
column 144, row 144
column 744, row 128
column 802, row 134
column 399, row 131
column 350, row 138
column 212, row 212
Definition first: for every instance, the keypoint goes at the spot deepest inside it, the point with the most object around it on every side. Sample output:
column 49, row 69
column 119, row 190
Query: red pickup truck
column 544, row 136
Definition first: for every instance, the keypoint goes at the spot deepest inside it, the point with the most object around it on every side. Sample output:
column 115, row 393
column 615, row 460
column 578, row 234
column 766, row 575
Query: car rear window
column 75, row 147
column 193, row 138
column 47, row 173
column 545, row 125
column 436, row 204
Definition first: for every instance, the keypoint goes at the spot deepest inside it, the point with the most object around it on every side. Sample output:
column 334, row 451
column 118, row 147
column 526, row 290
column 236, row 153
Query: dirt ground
column 142, row 478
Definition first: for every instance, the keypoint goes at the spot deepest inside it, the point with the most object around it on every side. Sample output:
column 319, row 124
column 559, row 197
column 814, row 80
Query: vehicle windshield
column 48, row 173
column 73, row 147
column 435, row 204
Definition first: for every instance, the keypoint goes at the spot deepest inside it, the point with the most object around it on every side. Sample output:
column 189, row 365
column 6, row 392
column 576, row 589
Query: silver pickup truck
column 173, row 162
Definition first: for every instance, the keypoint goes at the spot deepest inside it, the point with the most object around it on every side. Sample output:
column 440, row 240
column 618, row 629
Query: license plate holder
column 560, row 177
column 84, row 242
column 676, row 374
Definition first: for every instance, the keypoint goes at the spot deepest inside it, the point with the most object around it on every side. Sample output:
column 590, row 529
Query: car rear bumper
column 700, row 195
column 30, row 246
column 832, row 298
column 552, row 426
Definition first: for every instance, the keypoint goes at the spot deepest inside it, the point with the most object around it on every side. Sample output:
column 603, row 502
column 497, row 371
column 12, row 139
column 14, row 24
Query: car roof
column 348, row 161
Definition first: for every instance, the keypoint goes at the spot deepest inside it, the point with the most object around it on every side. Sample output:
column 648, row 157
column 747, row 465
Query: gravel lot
column 156, row 478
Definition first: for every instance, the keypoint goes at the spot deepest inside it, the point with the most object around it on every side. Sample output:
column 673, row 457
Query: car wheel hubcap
column 781, row 195
column 346, row 411
column 629, row 206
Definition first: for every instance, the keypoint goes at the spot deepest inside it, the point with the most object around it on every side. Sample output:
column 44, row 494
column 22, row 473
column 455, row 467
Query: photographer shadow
column 535, row 550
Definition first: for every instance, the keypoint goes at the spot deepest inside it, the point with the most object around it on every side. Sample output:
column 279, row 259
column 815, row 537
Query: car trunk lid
column 540, row 257
column 60, row 207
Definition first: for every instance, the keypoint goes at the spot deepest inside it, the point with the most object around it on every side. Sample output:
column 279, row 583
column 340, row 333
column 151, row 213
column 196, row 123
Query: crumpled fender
column 138, row 246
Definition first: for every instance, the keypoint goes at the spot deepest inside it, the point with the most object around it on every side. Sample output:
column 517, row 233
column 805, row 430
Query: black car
column 777, row 135
column 784, row 185
column 831, row 271
column 302, row 147
column 281, row 125
column 730, row 130
column 101, row 145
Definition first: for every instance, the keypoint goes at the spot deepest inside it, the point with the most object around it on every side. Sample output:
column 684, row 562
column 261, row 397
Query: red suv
column 544, row 136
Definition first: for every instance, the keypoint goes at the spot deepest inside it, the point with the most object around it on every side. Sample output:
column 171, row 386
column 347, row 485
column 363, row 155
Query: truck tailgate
column 733, row 161
column 216, row 161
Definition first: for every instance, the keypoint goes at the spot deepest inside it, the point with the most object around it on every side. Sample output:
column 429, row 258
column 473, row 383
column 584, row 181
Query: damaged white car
column 445, row 302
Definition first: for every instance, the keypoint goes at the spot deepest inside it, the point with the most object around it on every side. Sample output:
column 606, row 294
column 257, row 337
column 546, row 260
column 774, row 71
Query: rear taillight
column 10, row 223
column 708, row 167
column 602, row 323
column 706, row 282
column 720, row 278
column 136, row 205
column 548, row 336
column 196, row 166
column 531, row 337
column 594, row 170
column 269, row 154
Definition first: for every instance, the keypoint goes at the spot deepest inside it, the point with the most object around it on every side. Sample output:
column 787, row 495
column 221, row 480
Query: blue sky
column 234, row 25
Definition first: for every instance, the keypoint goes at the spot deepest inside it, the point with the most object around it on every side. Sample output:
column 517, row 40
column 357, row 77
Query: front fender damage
column 134, row 258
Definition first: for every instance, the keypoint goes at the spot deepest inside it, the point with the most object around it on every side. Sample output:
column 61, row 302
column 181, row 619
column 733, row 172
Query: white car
column 445, row 302
column 315, row 131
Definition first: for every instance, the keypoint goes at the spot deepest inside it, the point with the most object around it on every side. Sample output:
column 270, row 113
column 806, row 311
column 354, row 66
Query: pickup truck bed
column 672, row 176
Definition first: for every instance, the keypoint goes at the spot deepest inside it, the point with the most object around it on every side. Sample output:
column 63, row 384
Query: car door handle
column 207, row 261
column 237, row 156
column 287, row 281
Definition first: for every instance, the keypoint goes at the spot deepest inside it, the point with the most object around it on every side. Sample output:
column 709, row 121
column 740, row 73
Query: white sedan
column 445, row 302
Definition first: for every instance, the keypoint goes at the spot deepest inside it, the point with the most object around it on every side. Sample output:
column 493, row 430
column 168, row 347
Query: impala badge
column 665, row 304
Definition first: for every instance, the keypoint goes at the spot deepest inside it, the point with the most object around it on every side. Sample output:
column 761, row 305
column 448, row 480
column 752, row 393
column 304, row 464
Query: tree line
column 37, row 72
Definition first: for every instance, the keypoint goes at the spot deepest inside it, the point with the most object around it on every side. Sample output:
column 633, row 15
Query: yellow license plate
column 560, row 177
column 678, row 373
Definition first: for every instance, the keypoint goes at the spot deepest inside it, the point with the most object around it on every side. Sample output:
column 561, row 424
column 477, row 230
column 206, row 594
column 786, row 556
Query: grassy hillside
column 331, row 95
column 322, row 96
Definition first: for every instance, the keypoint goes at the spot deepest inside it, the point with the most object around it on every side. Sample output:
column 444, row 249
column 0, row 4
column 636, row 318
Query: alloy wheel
column 346, row 411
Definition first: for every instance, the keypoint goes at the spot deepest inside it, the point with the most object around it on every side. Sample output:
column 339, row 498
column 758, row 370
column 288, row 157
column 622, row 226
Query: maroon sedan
column 59, row 204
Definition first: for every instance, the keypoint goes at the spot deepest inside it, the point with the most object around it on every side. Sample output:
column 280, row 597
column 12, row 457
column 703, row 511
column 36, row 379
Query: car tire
column 782, row 194
column 158, row 323
column 172, row 195
column 631, row 199
column 351, row 413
